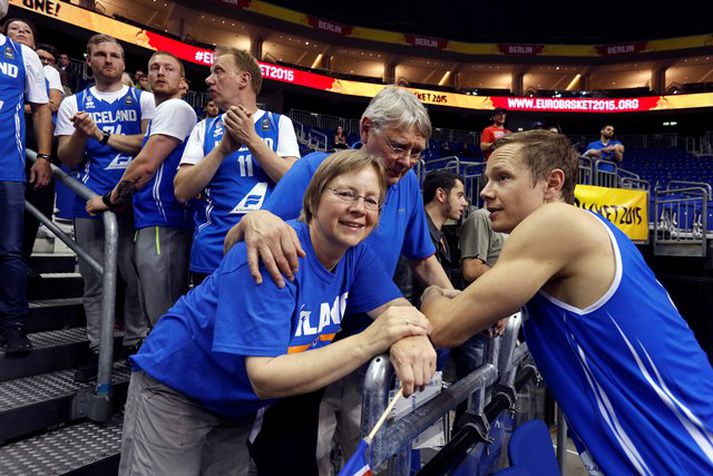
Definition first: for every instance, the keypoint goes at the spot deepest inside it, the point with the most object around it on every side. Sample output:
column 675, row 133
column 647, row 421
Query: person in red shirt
column 490, row 133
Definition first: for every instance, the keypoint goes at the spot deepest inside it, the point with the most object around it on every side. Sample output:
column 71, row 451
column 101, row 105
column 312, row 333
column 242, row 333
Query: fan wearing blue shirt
column 101, row 128
column 606, row 148
column 164, row 227
column 21, row 79
column 231, row 346
column 395, row 127
column 232, row 161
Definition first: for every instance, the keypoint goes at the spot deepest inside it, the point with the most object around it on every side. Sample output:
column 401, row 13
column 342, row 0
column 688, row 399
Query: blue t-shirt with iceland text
column 199, row 347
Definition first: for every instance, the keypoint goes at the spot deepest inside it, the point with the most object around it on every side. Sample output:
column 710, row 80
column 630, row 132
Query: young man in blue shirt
column 102, row 128
column 606, row 148
column 164, row 227
column 618, row 357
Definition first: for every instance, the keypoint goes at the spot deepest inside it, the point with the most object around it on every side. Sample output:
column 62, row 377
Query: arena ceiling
column 524, row 21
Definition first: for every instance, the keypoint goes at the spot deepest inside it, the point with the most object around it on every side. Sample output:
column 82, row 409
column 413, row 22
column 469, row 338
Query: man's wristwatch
column 43, row 156
column 105, row 138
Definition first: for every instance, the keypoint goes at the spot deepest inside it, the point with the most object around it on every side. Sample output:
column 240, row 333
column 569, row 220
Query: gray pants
column 162, row 258
column 90, row 235
column 166, row 433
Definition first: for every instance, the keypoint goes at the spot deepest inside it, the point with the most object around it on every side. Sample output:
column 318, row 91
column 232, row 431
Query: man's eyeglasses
column 351, row 197
column 400, row 150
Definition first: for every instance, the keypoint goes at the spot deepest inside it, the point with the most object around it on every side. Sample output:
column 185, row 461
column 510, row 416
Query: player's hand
column 498, row 329
column 40, row 174
column 414, row 360
column 272, row 241
column 434, row 291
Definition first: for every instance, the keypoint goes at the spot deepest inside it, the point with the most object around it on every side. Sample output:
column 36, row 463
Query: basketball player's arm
column 239, row 124
column 521, row 271
column 303, row 372
column 138, row 173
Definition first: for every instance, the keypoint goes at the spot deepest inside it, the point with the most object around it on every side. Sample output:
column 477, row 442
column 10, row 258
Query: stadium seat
column 531, row 447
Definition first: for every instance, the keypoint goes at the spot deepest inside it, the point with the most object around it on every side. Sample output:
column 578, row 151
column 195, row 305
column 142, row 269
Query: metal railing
column 393, row 443
column 681, row 219
column 96, row 406
column 317, row 140
column 585, row 171
column 605, row 173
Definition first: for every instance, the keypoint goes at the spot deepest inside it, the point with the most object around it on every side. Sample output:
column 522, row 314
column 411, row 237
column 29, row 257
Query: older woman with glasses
column 231, row 346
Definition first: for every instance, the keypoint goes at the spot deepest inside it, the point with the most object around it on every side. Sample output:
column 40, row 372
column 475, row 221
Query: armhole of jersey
column 208, row 127
column 137, row 97
column 612, row 288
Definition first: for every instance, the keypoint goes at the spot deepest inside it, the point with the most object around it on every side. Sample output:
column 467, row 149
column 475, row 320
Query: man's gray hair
column 397, row 108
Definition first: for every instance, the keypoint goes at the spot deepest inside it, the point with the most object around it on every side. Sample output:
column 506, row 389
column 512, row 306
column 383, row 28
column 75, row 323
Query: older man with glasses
column 395, row 126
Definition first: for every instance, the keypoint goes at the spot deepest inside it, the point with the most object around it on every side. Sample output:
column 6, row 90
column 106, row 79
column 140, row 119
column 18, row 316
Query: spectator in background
column 444, row 199
column 185, row 86
column 138, row 74
column 143, row 83
column 126, row 80
column 491, row 133
column 210, row 109
column 232, row 160
column 538, row 125
column 72, row 78
column 340, row 138
column 24, row 32
column 103, row 127
column 606, row 147
column 163, row 225
column 28, row 85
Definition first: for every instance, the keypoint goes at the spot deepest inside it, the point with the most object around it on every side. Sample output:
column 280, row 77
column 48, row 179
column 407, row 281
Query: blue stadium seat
column 531, row 447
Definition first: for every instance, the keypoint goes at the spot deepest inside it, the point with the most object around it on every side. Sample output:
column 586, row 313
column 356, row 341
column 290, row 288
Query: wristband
column 105, row 138
column 43, row 156
column 106, row 198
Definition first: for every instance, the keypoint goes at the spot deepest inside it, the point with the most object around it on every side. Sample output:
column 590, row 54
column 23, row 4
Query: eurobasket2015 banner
column 80, row 17
column 627, row 209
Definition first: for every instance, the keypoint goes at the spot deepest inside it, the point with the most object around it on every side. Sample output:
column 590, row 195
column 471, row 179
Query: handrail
column 705, row 185
column 503, row 356
column 667, row 231
column 98, row 405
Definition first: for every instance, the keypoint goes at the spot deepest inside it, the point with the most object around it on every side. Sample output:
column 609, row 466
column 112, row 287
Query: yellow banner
column 627, row 209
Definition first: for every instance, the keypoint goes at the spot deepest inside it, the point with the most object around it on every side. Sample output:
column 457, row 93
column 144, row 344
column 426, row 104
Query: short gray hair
column 397, row 108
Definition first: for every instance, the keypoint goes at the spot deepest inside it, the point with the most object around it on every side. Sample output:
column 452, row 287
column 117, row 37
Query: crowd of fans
column 282, row 314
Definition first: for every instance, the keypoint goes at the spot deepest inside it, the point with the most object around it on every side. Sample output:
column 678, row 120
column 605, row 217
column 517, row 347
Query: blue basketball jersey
column 628, row 373
column 12, row 113
column 104, row 166
column 156, row 204
column 239, row 186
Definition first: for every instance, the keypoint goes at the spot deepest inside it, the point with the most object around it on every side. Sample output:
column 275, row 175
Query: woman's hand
column 394, row 324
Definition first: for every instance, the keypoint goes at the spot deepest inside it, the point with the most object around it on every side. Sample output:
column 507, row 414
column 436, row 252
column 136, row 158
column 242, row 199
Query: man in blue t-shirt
column 618, row 357
column 606, row 148
column 395, row 126
column 163, row 225
column 102, row 128
column 232, row 161
column 21, row 79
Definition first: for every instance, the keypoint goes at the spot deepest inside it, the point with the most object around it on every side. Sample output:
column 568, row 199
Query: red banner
column 521, row 50
column 330, row 26
column 424, row 42
column 621, row 49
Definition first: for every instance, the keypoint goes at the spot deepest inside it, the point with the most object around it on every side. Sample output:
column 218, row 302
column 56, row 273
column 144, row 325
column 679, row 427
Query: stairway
column 42, row 431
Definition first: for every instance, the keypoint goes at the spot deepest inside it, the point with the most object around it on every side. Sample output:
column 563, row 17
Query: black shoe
column 88, row 371
column 15, row 340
